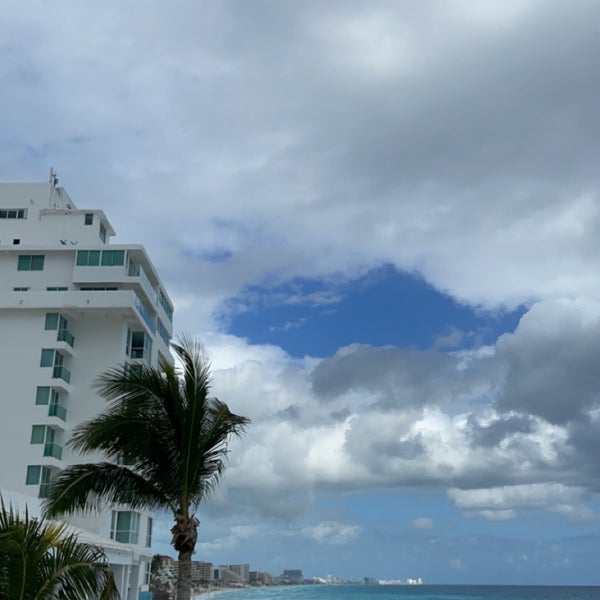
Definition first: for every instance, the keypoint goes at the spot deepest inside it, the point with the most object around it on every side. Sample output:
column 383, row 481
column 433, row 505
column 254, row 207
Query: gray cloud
column 551, row 361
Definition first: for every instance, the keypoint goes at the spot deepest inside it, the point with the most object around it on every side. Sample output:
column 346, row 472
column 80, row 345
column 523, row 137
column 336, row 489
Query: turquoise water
column 405, row 592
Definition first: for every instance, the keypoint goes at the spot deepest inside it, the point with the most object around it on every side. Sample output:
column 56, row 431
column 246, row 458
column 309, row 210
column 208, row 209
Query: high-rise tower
column 71, row 305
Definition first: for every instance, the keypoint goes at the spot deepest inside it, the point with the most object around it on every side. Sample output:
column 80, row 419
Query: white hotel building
column 71, row 305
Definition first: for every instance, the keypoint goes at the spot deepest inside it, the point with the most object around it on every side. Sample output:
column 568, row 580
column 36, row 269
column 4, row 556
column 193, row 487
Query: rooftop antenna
column 52, row 180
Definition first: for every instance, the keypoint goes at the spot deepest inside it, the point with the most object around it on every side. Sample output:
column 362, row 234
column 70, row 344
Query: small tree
column 40, row 561
column 174, row 438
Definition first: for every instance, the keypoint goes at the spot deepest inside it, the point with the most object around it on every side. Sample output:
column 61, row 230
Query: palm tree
column 169, row 438
column 41, row 561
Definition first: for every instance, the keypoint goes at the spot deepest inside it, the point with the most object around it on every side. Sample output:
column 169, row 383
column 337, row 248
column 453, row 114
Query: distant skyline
column 382, row 220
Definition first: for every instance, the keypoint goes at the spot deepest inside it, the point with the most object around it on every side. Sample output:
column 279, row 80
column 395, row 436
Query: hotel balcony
column 56, row 410
column 53, row 450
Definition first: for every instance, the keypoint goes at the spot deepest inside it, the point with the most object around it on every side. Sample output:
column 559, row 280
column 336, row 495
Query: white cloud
column 332, row 532
column 423, row 523
column 502, row 502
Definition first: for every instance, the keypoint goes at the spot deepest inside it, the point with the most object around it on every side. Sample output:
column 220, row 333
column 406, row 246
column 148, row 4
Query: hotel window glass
column 42, row 395
column 55, row 321
column 30, row 262
column 47, row 359
column 13, row 213
column 38, row 434
column 89, row 219
column 113, row 258
column 88, row 258
column 102, row 232
column 149, row 533
column 124, row 526
column 33, row 474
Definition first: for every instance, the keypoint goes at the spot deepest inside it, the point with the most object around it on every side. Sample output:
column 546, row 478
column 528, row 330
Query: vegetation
column 41, row 561
column 172, row 437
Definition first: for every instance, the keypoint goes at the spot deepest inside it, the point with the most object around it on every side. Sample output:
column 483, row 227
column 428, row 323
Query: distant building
column 291, row 576
column 260, row 578
column 202, row 572
column 229, row 576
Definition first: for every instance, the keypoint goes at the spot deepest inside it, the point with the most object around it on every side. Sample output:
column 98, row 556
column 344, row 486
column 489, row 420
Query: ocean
column 407, row 592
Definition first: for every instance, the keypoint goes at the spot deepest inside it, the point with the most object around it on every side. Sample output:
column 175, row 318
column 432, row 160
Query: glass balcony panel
column 56, row 410
column 53, row 450
column 145, row 314
column 137, row 271
column 64, row 335
column 63, row 373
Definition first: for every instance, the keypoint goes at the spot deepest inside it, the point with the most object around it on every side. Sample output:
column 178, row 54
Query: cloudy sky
column 382, row 219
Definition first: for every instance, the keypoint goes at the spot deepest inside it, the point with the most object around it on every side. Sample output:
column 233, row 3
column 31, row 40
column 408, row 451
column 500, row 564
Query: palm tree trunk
column 185, row 533
column 184, row 575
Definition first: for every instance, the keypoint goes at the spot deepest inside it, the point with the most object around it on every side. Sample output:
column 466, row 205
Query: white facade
column 71, row 305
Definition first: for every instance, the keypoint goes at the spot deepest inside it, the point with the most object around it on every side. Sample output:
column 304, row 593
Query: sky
column 381, row 218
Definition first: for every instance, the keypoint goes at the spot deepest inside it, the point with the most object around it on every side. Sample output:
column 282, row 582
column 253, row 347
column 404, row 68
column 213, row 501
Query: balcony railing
column 137, row 271
column 145, row 314
column 64, row 335
column 56, row 410
column 139, row 353
column 62, row 373
column 53, row 450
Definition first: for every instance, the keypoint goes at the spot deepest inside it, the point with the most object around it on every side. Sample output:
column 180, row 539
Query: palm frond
column 88, row 487
column 40, row 561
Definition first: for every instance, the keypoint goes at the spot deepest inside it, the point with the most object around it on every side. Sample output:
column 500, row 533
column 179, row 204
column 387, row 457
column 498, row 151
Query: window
column 57, row 289
column 33, row 474
column 16, row 241
column 51, row 321
column 55, row 321
column 113, row 258
column 124, row 526
column 88, row 258
column 98, row 289
column 21, row 289
column 47, row 359
column 13, row 213
column 102, row 232
column 139, row 344
column 149, row 533
column 38, row 474
column 30, row 262
column 89, row 219
column 38, row 434
column 42, row 395
column 106, row 258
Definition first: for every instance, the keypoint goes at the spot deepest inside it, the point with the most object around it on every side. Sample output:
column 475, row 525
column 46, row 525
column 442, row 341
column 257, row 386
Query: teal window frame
column 47, row 357
column 42, row 395
column 113, row 258
column 88, row 258
column 38, row 434
column 51, row 323
column 125, row 526
column 34, row 474
column 30, row 262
